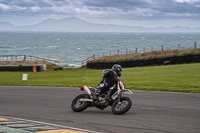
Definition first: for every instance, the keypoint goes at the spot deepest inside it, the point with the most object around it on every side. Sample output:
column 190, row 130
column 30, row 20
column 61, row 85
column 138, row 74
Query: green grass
column 177, row 78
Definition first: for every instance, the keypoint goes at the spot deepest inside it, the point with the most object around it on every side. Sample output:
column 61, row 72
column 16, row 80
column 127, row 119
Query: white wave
column 50, row 47
column 71, row 66
column 6, row 47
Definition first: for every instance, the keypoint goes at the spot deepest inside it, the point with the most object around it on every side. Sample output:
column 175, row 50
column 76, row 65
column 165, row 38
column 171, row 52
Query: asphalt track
column 151, row 112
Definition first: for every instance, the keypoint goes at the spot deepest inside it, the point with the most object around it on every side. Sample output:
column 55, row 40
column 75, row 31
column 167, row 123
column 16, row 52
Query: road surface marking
column 4, row 119
column 56, row 128
column 61, row 131
column 12, row 130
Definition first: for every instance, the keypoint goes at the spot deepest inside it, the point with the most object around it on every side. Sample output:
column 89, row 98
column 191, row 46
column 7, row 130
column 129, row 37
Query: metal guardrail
column 86, row 60
column 25, row 58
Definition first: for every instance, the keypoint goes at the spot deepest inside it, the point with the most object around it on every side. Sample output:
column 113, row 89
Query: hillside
column 73, row 24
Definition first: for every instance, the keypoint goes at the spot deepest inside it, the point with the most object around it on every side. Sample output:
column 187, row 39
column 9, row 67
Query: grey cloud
column 174, row 7
column 135, row 9
column 124, row 5
column 175, row 10
column 148, row 8
column 20, row 3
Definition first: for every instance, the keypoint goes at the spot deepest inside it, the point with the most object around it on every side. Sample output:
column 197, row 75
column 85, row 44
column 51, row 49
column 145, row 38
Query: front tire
column 122, row 108
column 77, row 105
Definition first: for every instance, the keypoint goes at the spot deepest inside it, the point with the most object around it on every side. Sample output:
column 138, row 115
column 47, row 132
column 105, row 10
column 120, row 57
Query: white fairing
column 87, row 89
column 126, row 91
column 122, row 85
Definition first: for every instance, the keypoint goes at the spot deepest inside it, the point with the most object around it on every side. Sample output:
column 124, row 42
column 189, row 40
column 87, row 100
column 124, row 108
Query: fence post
column 178, row 46
column 135, row 50
column 195, row 45
column 162, row 48
column 117, row 51
column 144, row 49
column 93, row 56
column 24, row 57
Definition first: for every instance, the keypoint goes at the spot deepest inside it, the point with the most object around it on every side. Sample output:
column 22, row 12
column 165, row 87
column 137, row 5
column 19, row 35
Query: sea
column 71, row 48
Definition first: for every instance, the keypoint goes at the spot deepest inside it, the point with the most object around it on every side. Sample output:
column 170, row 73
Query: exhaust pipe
column 85, row 100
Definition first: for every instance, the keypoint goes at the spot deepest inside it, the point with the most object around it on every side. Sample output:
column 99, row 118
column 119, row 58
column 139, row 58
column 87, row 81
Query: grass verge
column 175, row 78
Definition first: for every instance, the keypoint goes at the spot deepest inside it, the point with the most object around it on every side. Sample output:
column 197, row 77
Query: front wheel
column 78, row 105
column 123, row 107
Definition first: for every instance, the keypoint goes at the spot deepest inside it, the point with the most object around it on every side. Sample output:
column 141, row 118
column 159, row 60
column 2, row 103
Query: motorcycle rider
column 109, row 79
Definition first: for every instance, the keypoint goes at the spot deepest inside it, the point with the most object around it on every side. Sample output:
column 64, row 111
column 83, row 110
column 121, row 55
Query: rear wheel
column 122, row 107
column 78, row 105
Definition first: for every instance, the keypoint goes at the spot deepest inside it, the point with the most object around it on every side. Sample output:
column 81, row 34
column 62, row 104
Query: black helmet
column 118, row 69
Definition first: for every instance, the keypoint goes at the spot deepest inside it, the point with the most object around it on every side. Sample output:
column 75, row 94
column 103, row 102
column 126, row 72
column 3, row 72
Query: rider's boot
column 107, row 96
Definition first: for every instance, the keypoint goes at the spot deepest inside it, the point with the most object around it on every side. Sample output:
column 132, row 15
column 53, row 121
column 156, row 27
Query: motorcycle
column 119, row 104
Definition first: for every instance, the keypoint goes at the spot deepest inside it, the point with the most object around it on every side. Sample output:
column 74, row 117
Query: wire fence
column 141, row 50
column 25, row 58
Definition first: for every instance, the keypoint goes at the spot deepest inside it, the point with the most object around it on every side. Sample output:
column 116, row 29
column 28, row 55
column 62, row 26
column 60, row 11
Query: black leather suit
column 109, row 79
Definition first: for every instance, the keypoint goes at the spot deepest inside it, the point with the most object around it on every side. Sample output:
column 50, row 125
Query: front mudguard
column 125, row 91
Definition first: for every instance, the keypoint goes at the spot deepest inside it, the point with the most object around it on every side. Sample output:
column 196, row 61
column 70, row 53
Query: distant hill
column 6, row 26
column 73, row 24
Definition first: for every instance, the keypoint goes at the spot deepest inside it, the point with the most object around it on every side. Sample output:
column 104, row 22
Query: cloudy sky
column 146, row 13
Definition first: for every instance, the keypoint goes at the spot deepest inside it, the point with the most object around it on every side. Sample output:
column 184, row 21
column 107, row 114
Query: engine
column 102, row 103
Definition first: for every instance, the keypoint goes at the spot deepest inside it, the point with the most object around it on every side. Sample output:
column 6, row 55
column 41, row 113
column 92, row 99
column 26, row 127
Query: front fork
column 119, row 95
column 119, row 98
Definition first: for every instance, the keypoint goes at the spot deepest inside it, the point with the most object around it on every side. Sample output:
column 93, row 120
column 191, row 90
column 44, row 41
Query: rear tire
column 125, row 105
column 77, row 105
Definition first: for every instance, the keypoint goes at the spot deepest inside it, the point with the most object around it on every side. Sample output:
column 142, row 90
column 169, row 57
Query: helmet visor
column 119, row 73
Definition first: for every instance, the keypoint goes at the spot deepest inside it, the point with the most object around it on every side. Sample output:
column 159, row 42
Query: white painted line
column 50, row 124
